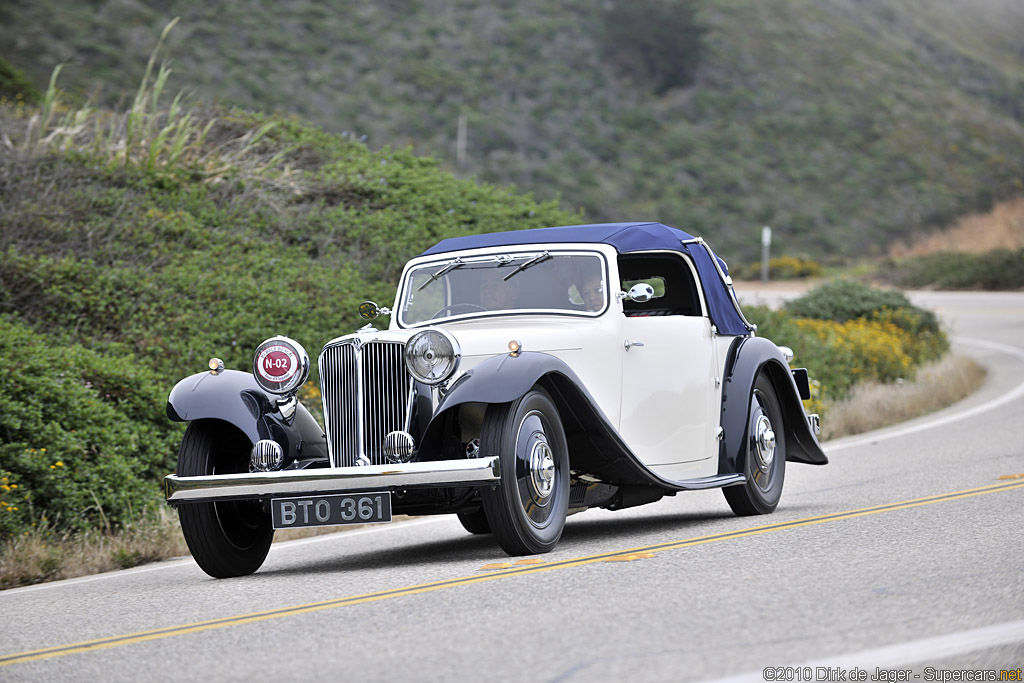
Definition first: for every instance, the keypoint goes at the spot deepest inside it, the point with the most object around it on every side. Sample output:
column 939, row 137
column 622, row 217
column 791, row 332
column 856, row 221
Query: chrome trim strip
column 331, row 480
column 360, row 418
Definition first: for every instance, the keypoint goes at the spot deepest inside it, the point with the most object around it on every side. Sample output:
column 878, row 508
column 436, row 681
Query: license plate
column 346, row 508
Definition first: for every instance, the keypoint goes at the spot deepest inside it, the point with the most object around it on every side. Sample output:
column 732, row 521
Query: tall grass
column 873, row 405
column 149, row 134
column 45, row 554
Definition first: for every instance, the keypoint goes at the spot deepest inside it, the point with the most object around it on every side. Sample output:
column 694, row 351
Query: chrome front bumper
column 439, row 473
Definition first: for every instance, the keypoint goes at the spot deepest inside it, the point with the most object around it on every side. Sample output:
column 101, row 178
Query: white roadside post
column 766, row 243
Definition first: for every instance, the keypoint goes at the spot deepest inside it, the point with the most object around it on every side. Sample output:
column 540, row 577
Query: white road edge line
column 1011, row 395
column 170, row 564
column 901, row 655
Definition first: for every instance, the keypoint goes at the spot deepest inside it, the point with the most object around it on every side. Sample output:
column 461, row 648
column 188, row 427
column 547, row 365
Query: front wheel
column 526, row 510
column 765, row 458
column 228, row 538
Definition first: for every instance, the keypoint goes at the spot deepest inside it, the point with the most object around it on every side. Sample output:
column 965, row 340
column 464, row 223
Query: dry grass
column 45, row 556
column 1002, row 227
column 874, row 405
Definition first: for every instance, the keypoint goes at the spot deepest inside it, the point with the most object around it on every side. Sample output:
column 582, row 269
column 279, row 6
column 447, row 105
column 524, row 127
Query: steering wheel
column 452, row 307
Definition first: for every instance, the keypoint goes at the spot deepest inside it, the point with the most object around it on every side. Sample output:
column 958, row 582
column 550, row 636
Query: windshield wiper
column 535, row 260
column 451, row 265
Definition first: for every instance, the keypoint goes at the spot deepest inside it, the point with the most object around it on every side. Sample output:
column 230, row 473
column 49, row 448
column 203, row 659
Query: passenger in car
column 592, row 292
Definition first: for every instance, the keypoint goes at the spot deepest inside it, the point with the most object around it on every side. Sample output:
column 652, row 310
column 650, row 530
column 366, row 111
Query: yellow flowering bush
column 786, row 268
column 860, row 350
column 845, row 333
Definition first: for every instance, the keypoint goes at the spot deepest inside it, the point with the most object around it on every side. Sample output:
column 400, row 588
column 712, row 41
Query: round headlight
column 432, row 356
column 281, row 365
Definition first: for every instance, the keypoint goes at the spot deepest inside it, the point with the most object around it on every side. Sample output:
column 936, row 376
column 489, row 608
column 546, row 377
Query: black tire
column 765, row 467
column 475, row 522
column 228, row 538
column 526, row 510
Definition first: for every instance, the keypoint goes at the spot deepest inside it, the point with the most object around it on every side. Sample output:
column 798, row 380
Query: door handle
column 628, row 344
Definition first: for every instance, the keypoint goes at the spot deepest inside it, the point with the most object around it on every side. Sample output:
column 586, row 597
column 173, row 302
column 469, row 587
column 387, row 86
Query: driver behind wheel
column 497, row 294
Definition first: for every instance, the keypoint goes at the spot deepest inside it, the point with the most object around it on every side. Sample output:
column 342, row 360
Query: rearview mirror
column 369, row 310
column 640, row 293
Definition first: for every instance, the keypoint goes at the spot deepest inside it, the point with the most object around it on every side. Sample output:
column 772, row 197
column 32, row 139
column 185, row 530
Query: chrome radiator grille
column 366, row 390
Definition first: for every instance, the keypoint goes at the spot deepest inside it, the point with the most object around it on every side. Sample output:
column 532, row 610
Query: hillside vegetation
column 135, row 245
column 843, row 124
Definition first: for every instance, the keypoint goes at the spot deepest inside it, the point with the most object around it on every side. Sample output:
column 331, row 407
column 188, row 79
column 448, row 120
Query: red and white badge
column 277, row 363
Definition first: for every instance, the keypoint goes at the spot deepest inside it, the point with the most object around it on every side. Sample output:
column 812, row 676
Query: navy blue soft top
column 626, row 238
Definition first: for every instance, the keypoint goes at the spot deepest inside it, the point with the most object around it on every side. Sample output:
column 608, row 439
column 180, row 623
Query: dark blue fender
column 595, row 446
column 236, row 398
column 747, row 357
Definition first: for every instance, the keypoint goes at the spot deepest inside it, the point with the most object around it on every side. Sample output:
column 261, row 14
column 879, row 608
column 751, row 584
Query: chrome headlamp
column 280, row 365
column 432, row 356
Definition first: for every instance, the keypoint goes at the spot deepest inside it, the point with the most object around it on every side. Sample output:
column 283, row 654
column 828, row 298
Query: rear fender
column 749, row 356
column 237, row 399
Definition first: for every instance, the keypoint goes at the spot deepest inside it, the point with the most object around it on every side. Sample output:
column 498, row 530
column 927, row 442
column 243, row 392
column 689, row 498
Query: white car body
column 658, row 380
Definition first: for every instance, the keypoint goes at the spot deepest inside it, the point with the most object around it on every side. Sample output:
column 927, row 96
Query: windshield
column 538, row 281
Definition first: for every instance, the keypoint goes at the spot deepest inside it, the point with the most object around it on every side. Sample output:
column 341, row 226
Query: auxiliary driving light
column 398, row 447
column 266, row 455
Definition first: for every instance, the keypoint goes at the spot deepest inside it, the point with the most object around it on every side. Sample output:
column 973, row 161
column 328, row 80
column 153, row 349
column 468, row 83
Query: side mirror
column 640, row 293
column 369, row 310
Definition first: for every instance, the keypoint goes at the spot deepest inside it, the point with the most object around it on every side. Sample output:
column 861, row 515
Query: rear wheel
column 475, row 522
column 526, row 510
column 228, row 538
column 765, row 458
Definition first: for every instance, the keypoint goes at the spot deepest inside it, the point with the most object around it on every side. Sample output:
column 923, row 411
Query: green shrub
column 842, row 300
column 83, row 438
column 120, row 276
column 994, row 270
column 14, row 86
column 845, row 332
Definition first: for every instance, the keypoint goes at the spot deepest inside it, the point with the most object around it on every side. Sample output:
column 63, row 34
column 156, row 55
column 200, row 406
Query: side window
column 675, row 291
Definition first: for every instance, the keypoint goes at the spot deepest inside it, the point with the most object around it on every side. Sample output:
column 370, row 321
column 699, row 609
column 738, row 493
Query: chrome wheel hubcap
column 764, row 443
column 542, row 468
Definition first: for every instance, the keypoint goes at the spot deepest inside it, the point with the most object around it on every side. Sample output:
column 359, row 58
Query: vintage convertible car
column 524, row 376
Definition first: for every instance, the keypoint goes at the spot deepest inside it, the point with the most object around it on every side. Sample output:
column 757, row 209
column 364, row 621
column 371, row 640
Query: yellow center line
column 238, row 620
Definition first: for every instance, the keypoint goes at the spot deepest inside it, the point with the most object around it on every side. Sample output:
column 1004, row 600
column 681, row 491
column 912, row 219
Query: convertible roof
column 626, row 238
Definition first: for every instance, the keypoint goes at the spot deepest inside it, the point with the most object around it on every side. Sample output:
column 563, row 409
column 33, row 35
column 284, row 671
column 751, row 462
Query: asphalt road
column 902, row 555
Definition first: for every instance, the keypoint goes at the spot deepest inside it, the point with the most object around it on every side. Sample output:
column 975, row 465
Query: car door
column 670, row 385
